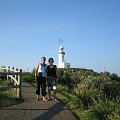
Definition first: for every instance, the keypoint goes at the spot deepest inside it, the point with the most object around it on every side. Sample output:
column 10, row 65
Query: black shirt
column 51, row 71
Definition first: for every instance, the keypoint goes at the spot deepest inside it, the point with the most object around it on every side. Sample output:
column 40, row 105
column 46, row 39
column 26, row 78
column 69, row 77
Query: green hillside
column 91, row 95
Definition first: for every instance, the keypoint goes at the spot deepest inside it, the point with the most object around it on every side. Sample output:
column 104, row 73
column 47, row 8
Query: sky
column 89, row 31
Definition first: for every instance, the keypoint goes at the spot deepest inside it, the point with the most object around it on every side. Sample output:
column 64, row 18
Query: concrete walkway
column 32, row 109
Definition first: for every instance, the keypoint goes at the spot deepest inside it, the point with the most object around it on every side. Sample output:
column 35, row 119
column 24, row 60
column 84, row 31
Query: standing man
column 40, row 75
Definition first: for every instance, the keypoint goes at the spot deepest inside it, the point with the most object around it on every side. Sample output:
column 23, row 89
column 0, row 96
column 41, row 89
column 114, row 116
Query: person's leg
column 54, row 94
column 54, row 89
column 49, row 93
column 38, row 88
column 49, row 87
column 43, row 88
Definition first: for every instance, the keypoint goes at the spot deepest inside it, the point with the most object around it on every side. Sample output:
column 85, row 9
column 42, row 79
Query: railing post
column 8, row 71
column 12, row 81
column 19, row 84
column 16, row 77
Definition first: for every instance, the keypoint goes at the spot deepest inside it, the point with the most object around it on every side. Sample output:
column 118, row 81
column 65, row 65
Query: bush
column 104, row 110
column 96, row 93
column 28, row 77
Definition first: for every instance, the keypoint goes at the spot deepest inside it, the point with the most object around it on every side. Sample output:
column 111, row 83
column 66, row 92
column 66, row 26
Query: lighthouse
column 61, row 61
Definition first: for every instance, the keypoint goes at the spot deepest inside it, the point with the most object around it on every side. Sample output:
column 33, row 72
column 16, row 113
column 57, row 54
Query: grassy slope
column 8, row 97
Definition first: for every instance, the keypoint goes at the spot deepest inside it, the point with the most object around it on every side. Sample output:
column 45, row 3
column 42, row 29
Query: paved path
column 32, row 109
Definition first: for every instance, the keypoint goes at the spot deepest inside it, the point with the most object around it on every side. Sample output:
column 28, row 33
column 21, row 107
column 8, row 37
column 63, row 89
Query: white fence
column 15, row 76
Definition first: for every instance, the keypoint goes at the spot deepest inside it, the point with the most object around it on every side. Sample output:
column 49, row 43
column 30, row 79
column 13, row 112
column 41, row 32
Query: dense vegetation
column 93, row 96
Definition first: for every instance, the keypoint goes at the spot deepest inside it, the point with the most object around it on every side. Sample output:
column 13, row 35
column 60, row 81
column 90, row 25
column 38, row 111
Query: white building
column 61, row 61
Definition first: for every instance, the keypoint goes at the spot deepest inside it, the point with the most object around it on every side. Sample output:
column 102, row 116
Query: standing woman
column 40, row 75
column 51, row 78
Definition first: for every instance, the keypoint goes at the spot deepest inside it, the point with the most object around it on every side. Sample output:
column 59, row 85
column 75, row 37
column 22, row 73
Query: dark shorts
column 51, row 82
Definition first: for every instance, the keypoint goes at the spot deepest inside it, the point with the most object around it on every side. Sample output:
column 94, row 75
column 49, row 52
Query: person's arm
column 36, row 70
column 56, row 73
column 46, row 69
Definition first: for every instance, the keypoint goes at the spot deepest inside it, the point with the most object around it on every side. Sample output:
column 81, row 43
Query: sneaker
column 37, row 97
column 55, row 99
column 44, row 99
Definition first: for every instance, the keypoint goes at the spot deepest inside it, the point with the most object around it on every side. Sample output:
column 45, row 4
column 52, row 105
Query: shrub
column 104, row 110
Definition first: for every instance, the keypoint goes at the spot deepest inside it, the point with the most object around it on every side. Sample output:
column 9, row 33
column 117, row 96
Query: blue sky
column 88, row 29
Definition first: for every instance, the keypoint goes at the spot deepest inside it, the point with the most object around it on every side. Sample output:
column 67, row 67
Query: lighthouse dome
column 61, row 51
column 61, row 47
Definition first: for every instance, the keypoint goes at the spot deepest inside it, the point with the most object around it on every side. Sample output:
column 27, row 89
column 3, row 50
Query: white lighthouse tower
column 61, row 61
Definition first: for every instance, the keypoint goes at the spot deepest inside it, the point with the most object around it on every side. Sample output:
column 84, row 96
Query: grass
column 99, row 110
column 8, row 97
column 5, row 83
